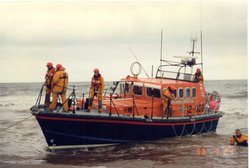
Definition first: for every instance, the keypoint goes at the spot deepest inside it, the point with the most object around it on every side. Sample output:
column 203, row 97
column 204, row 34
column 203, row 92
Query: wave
column 239, row 95
column 7, row 105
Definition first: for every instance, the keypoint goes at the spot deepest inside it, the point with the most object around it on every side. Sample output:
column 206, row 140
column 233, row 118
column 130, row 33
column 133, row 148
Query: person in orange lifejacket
column 240, row 139
column 168, row 96
column 198, row 76
column 48, row 79
column 59, row 88
column 97, row 88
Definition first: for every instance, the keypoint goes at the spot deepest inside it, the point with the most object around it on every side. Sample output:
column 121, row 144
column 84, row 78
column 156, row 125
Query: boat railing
column 175, row 75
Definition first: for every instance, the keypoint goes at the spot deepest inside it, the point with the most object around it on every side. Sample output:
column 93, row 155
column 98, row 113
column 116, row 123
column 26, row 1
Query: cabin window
column 137, row 90
column 126, row 89
column 180, row 93
column 187, row 92
column 153, row 92
column 194, row 92
column 122, row 88
column 174, row 93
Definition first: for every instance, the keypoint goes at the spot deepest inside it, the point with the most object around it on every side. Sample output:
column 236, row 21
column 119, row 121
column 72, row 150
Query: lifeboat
column 133, row 110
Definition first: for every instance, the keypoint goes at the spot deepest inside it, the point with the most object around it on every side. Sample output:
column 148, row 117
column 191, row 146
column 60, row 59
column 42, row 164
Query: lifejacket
column 60, row 81
column 241, row 140
column 49, row 76
column 168, row 94
column 96, row 82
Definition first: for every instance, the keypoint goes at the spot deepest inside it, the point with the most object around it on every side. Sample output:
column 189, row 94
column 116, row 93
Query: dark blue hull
column 71, row 129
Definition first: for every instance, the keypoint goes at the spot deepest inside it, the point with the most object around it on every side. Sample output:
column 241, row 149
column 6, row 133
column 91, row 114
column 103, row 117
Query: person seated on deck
column 59, row 88
column 97, row 88
column 198, row 76
column 168, row 96
column 48, row 79
column 240, row 139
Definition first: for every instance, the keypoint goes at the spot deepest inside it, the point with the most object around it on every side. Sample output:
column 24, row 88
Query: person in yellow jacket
column 240, row 139
column 97, row 88
column 168, row 96
column 59, row 87
column 48, row 79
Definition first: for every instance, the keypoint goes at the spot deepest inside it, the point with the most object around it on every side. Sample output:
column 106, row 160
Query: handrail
column 134, row 107
column 73, row 95
column 169, row 64
column 112, row 102
column 152, row 110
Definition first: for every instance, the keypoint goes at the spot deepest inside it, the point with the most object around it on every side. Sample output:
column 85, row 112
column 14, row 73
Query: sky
column 86, row 35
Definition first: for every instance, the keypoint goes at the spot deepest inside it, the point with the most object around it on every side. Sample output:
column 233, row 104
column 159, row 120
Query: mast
column 201, row 55
column 201, row 27
column 161, row 50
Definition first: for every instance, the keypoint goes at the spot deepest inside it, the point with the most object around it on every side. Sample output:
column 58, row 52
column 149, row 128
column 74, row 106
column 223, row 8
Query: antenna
column 193, row 47
column 161, row 50
column 201, row 38
column 201, row 55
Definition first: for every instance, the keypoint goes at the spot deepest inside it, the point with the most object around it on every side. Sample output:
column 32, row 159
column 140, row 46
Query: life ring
column 132, row 68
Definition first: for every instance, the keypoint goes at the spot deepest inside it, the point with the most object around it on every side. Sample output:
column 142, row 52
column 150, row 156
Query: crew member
column 59, row 88
column 47, row 83
column 240, row 139
column 97, row 88
column 198, row 76
column 168, row 96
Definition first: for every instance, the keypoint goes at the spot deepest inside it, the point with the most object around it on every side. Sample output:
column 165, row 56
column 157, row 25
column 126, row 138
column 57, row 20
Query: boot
column 47, row 100
column 99, row 106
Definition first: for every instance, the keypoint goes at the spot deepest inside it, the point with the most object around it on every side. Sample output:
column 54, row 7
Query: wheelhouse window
column 188, row 92
column 193, row 92
column 137, row 90
column 126, row 89
column 154, row 92
column 180, row 93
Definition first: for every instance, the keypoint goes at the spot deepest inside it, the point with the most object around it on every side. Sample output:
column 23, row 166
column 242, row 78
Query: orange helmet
column 96, row 70
column 58, row 66
column 49, row 64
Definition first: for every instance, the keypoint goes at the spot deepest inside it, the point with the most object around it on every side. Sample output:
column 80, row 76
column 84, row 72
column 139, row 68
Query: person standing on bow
column 48, row 79
column 168, row 96
column 59, row 88
column 96, row 89
column 198, row 76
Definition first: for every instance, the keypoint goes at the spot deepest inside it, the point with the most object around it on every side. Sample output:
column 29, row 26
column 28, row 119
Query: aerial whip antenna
column 201, row 38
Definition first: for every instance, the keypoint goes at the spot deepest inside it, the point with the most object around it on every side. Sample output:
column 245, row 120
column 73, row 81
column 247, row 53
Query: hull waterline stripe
column 123, row 122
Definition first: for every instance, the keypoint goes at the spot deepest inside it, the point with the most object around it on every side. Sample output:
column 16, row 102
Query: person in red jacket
column 97, row 88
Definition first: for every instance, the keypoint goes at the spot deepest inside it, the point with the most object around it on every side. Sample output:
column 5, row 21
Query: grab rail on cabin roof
column 176, row 75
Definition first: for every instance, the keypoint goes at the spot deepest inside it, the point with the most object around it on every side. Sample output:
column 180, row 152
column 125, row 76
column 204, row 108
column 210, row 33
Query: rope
column 16, row 123
column 211, row 124
column 191, row 131
column 183, row 129
column 199, row 132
